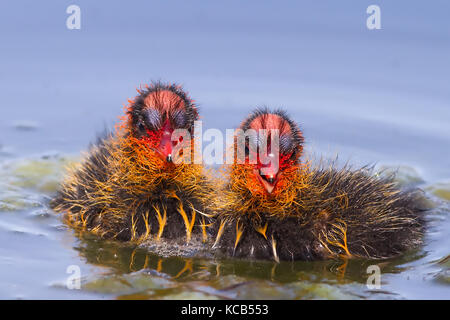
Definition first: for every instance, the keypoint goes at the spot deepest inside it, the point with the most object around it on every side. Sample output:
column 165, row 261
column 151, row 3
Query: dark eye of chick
column 154, row 119
column 285, row 144
column 179, row 119
column 141, row 127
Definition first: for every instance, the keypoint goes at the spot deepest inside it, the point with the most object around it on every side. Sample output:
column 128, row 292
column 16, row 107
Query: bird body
column 128, row 187
column 311, row 212
column 131, row 187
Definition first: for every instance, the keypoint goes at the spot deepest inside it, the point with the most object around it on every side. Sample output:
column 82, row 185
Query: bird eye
column 285, row 143
column 154, row 118
column 179, row 118
column 141, row 127
column 247, row 150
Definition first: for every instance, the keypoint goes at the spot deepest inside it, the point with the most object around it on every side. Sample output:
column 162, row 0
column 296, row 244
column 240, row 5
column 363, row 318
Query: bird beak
column 165, row 146
column 268, row 186
column 268, row 181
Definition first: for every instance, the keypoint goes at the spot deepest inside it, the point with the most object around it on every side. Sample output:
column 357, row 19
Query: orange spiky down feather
column 314, row 211
column 124, row 189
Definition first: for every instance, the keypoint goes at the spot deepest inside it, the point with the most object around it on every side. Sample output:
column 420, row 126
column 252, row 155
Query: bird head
column 156, row 113
column 272, row 150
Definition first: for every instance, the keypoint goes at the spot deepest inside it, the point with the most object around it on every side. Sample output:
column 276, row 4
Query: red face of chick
column 157, row 113
column 280, row 152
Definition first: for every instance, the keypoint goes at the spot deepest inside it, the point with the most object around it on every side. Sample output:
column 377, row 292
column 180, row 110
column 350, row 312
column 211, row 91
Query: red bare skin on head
column 271, row 121
column 165, row 101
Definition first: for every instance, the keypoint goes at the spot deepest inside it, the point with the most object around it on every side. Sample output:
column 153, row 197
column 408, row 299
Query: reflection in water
column 224, row 278
column 41, row 249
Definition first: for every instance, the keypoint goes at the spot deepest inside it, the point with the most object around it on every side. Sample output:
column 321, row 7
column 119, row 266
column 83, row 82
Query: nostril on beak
column 169, row 158
column 270, row 180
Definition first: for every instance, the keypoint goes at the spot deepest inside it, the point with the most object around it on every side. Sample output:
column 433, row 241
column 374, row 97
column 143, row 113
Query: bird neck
column 140, row 170
column 248, row 197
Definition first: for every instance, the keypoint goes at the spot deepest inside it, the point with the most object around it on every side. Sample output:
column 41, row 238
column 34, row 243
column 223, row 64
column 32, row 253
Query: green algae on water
column 23, row 182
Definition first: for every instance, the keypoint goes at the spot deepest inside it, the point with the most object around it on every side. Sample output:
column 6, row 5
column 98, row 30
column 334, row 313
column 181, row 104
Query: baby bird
column 130, row 187
column 290, row 210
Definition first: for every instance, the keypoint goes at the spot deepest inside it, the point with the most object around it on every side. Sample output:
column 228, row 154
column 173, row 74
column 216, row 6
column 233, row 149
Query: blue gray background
column 371, row 96
column 368, row 95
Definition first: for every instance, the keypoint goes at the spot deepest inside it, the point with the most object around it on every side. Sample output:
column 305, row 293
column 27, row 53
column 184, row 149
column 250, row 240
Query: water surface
column 378, row 97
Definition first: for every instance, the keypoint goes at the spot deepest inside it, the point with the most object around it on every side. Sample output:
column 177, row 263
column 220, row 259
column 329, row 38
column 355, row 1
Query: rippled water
column 37, row 250
column 376, row 97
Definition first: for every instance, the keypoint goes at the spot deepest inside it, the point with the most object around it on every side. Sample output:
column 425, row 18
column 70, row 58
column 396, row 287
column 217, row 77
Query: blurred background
column 370, row 96
column 350, row 88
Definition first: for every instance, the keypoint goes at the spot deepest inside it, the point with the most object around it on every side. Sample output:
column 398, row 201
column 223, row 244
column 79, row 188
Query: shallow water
column 372, row 97
column 40, row 249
